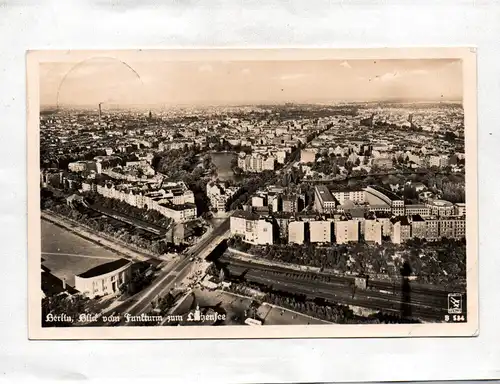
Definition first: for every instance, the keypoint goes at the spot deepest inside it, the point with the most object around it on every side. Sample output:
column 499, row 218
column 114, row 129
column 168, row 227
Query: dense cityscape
column 265, row 214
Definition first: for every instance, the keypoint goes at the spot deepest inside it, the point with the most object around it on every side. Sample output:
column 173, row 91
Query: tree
column 409, row 192
column 72, row 306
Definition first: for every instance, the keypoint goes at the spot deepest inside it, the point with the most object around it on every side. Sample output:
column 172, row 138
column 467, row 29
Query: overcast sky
column 245, row 82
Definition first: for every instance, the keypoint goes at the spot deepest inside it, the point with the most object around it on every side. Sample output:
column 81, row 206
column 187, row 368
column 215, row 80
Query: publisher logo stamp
column 455, row 303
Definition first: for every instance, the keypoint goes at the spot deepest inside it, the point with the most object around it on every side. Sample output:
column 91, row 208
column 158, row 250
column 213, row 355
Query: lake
column 222, row 160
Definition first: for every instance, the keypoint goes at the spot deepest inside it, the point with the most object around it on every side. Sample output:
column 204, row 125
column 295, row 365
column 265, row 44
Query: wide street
column 171, row 276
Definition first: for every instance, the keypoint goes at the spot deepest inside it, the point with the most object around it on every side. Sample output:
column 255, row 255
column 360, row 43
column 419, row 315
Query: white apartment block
column 320, row 231
column 346, row 231
column 296, row 232
column 253, row 229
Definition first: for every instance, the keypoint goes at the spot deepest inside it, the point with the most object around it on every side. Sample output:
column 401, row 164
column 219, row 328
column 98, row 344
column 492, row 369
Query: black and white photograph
column 252, row 193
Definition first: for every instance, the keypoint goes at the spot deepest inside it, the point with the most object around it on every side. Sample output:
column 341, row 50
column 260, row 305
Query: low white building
column 105, row 279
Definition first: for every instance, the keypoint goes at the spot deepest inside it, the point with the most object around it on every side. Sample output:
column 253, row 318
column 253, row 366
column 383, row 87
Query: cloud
column 205, row 68
column 345, row 64
column 293, row 76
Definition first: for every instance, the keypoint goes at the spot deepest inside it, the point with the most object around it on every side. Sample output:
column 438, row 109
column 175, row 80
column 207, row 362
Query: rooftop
column 402, row 219
column 391, row 195
column 104, row 268
column 417, row 218
column 441, row 203
column 325, row 194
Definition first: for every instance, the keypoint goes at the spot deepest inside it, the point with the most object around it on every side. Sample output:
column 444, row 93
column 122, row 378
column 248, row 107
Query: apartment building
column 256, row 162
column 452, row 227
column 431, row 228
column 324, row 202
column 373, row 231
column 296, row 232
column 320, row 231
column 418, row 227
column 401, row 230
column 156, row 200
column 252, row 228
column 346, row 231
column 219, row 196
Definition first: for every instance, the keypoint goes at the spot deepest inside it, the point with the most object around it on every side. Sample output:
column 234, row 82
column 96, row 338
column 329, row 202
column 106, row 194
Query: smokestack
column 100, row 112
column 64, row 283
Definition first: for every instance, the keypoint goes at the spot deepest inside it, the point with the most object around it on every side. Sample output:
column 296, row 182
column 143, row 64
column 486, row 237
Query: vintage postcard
column 267, row 193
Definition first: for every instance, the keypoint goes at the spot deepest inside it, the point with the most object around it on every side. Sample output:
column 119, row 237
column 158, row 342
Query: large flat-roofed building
column 373, row 231
column 238, row 222
column 324, row 202
column 296, row 232
column 417, row 209
column 105, row 279
column 346, row 231
column 320, row 231
column 441, row 207
column 252, row 228
column 376, row 196
column 179, row 213
column 354, row 196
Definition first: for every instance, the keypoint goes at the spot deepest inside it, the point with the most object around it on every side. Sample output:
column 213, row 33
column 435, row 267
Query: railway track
column 387, row 297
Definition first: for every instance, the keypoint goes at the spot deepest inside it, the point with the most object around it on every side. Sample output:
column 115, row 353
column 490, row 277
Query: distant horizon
column 221, row 83
column 256, row 104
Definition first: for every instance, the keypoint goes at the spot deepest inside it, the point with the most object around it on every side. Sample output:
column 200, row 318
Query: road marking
column 146, row 294
column 79, row 255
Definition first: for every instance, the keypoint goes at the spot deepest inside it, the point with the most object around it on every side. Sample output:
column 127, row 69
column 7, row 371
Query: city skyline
column 217, row 83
